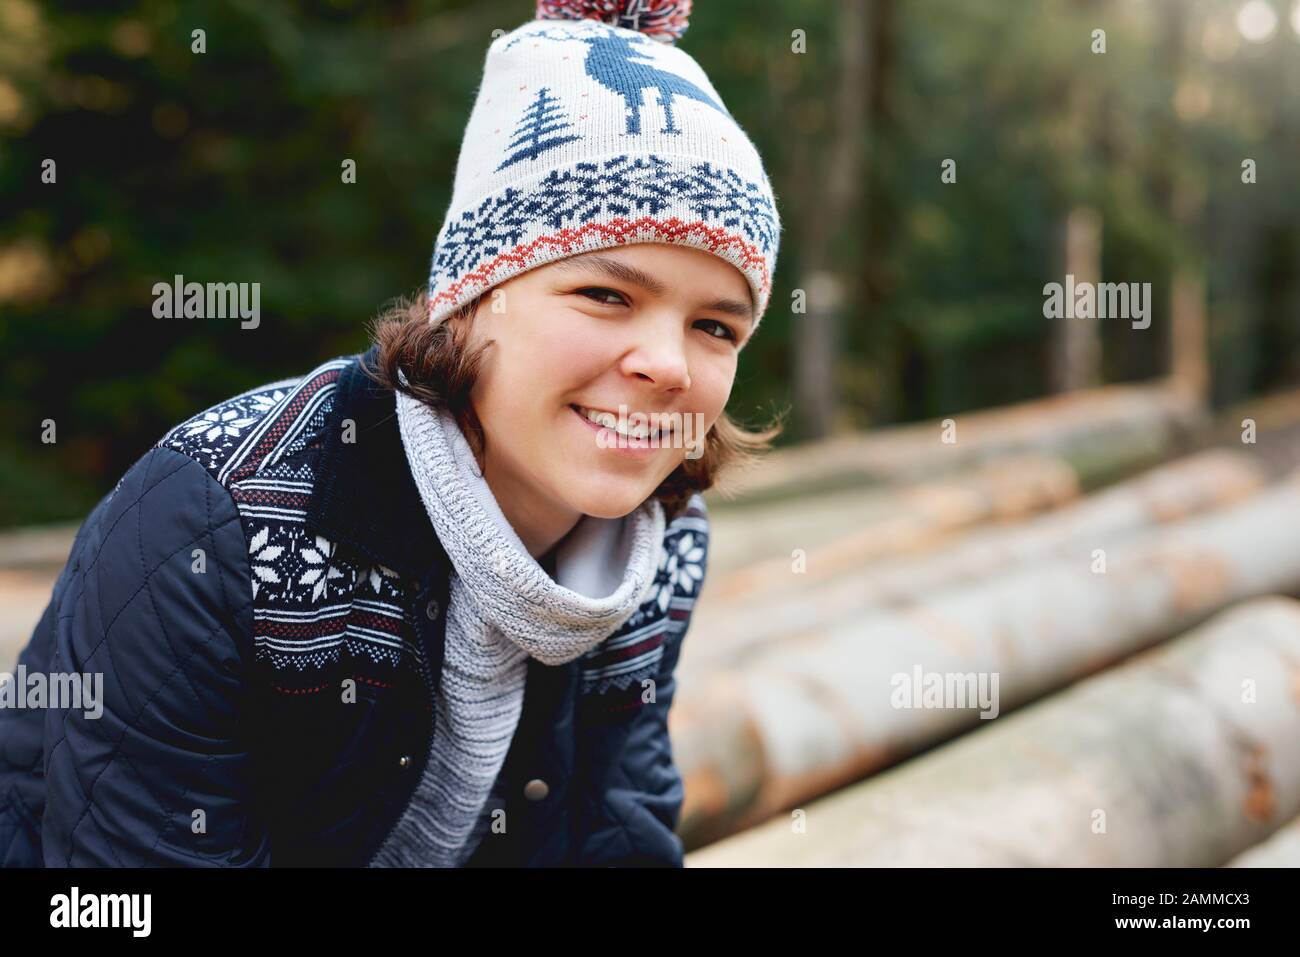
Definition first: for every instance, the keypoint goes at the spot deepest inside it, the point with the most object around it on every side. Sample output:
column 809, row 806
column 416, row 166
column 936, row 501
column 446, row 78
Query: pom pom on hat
column 662, row 20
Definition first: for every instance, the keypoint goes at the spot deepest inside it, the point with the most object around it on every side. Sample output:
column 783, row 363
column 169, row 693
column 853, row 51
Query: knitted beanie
column 592, row 129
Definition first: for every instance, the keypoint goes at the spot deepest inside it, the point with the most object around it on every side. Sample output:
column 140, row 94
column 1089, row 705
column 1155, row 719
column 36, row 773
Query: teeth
column 610, row 421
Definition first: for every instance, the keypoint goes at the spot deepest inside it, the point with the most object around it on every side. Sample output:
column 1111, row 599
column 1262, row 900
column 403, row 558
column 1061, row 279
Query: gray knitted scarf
column 503, row 609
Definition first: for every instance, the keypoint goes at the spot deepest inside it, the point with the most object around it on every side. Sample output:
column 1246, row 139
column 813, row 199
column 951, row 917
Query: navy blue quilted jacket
column 260, row 559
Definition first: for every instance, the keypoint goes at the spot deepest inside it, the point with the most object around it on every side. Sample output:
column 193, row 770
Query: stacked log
column 30, row 561
column 751, row 546
column 1282, row 849
column 770, row 600
column 1100, row 431
column 813, row 713
column 1184, row 756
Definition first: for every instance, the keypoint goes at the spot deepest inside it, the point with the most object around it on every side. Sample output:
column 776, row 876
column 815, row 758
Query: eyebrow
column 607, row 266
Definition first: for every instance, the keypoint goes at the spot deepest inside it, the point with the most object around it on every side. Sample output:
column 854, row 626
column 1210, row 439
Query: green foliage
column 226, row 166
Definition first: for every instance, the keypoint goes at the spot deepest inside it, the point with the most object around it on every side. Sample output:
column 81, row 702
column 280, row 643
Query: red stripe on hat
column 567, row 239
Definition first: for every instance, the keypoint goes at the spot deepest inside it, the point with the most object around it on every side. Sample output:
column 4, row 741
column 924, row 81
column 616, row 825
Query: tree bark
column 1159, row 763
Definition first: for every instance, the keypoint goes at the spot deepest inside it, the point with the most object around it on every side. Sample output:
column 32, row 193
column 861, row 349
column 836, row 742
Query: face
column 645, row 330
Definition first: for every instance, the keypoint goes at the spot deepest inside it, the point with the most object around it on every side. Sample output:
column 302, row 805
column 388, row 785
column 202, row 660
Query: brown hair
column 440, row 368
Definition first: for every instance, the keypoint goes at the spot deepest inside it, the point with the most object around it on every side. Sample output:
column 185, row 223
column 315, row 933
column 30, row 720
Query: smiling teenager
column 423, row 606
column 655, row 329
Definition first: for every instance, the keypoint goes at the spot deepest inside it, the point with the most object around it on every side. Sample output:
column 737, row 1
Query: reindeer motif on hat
column 614, row 63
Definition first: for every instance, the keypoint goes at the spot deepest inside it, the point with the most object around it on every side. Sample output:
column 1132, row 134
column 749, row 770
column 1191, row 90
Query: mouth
column 644, row 432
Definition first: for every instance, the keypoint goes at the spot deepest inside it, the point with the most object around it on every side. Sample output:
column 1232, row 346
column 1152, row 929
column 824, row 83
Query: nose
column 659, row 357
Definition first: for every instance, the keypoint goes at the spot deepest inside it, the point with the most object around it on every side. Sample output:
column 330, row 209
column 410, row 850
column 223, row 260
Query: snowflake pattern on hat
column 579, row 209
column 617, row 138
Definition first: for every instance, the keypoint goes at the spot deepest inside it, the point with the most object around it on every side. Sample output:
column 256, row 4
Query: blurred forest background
column 924, row 298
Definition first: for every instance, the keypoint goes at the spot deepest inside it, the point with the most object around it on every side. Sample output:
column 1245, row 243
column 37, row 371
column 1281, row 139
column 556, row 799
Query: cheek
column 572, row 362
column 711, row 384
column 540, row 360
column 560, row 354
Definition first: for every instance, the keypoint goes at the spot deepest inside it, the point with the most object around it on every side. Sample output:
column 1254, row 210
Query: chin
column 607, row 502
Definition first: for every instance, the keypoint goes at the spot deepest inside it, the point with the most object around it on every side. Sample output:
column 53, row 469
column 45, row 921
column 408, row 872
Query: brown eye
column 595, row 292
column 726, row 329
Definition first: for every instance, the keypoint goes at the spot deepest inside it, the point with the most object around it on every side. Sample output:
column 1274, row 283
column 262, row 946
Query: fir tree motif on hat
column 592, row 128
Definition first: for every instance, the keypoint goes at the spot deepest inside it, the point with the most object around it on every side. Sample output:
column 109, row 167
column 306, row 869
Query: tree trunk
column 884, row 561
column 1162, row 762
column 1077, row 355
column 816, row 333
column 816, row 709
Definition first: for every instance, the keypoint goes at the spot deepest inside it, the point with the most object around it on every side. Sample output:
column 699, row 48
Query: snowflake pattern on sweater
column 315, row 601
